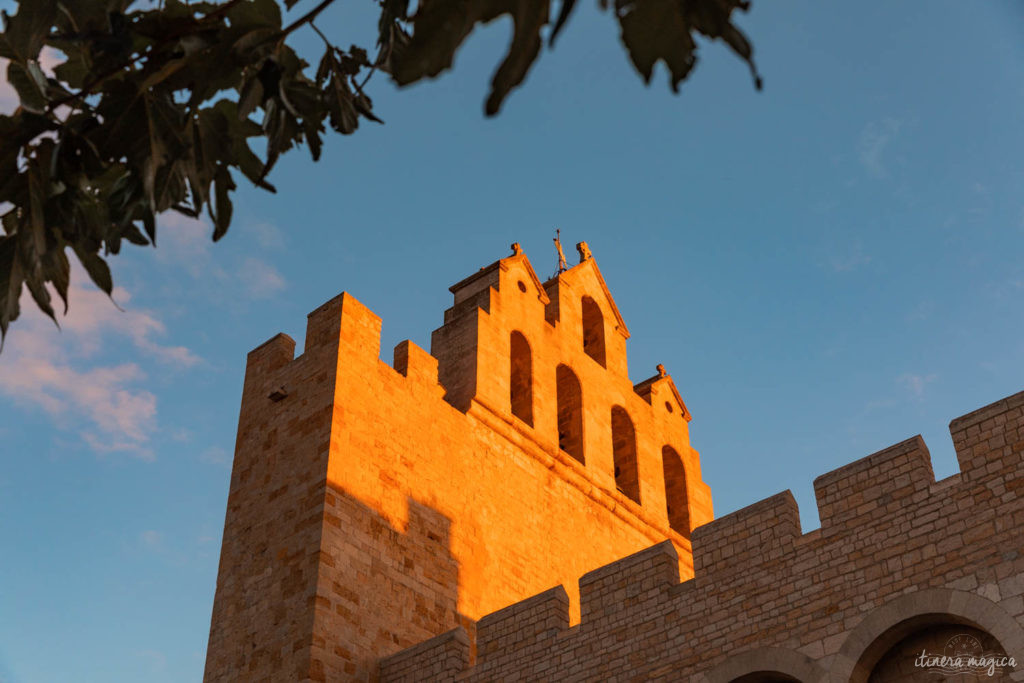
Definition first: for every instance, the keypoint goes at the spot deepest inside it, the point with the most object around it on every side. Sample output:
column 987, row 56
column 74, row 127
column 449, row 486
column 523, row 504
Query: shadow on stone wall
column 382, row 589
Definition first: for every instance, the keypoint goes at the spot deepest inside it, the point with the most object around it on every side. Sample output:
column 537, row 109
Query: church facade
column 510, row 506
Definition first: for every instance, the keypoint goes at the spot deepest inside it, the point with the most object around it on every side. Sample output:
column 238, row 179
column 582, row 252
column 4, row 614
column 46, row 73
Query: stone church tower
column 374, row 506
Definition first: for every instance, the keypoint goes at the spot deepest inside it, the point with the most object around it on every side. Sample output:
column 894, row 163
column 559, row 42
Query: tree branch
column 306, row 18
column 85, row 89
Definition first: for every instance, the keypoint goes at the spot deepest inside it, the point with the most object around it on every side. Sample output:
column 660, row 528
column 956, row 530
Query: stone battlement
column 897, row 554
column 374, row 506
column 391, row 521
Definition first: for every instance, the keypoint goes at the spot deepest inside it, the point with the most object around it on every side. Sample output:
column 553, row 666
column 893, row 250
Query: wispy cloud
column 915, row 384
column 913, row 388
column 1008, row 289
column 842, row 258
column 181, row 434
column 874, row 140
column 54, row 370
column 215, row 455
column 186, row 242
column 259, row 278
column 850, row 260
column 266, row 235
column 879, row 404
column 922, row 311
column 156, row 660
column 91, row 314
column 121, row 415
column 152, row 540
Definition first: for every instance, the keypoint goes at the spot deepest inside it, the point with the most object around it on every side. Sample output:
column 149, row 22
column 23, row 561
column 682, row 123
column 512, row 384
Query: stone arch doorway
column 766, row 665
column 930, row 649
column 875, row 650
column 765, row 677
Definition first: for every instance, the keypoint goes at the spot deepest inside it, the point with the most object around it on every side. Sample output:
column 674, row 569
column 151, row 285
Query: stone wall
column 901, row 563
column 375, row 506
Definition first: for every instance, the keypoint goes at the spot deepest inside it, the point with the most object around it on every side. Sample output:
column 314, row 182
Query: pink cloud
column 49, row 368
column 8, row 96
column 916, row 384
column 259, row 278
column 91, row 314
column 121, row 417
column 266, row 235
column 185, row 242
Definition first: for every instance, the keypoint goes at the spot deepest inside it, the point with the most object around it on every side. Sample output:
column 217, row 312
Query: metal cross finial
column 563, row 265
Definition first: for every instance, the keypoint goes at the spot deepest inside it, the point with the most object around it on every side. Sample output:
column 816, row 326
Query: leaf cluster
column 158, row 108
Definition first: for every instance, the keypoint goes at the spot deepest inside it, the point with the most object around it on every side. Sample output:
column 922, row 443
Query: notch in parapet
column 522, row 624
column 439, row 659
column 628, row 581
column 877, row 484
column 989, row 442
column 343, row 324
column 756, row 534
column 416, row 364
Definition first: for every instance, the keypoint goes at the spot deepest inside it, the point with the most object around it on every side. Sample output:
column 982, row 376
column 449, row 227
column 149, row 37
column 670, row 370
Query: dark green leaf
column 39, row 294
column 655, row 30
column 255, row 14
column 97, row 268
column 250, row 165
column 223, row 184
column 256, row 43
column 149, row 222
column 74, row 71
column 312, row 130
column 37, row 75
column 250, row 97
column 364, row 106
column 440, row 26
column 26, row 31
column 36, row 216
column 133, row 235
column 10, row 283
column 563, row 16
column 32, row 97
column 57, row 270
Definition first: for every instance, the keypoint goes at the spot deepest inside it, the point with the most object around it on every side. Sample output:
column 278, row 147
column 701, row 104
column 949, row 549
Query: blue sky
column 825, row 267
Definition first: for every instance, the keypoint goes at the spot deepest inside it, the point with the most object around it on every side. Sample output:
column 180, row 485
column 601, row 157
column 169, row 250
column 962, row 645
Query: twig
column 320, row 33
column 305, row 19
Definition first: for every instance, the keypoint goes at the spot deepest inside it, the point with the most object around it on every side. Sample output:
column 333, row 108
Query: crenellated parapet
column 900, row 561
